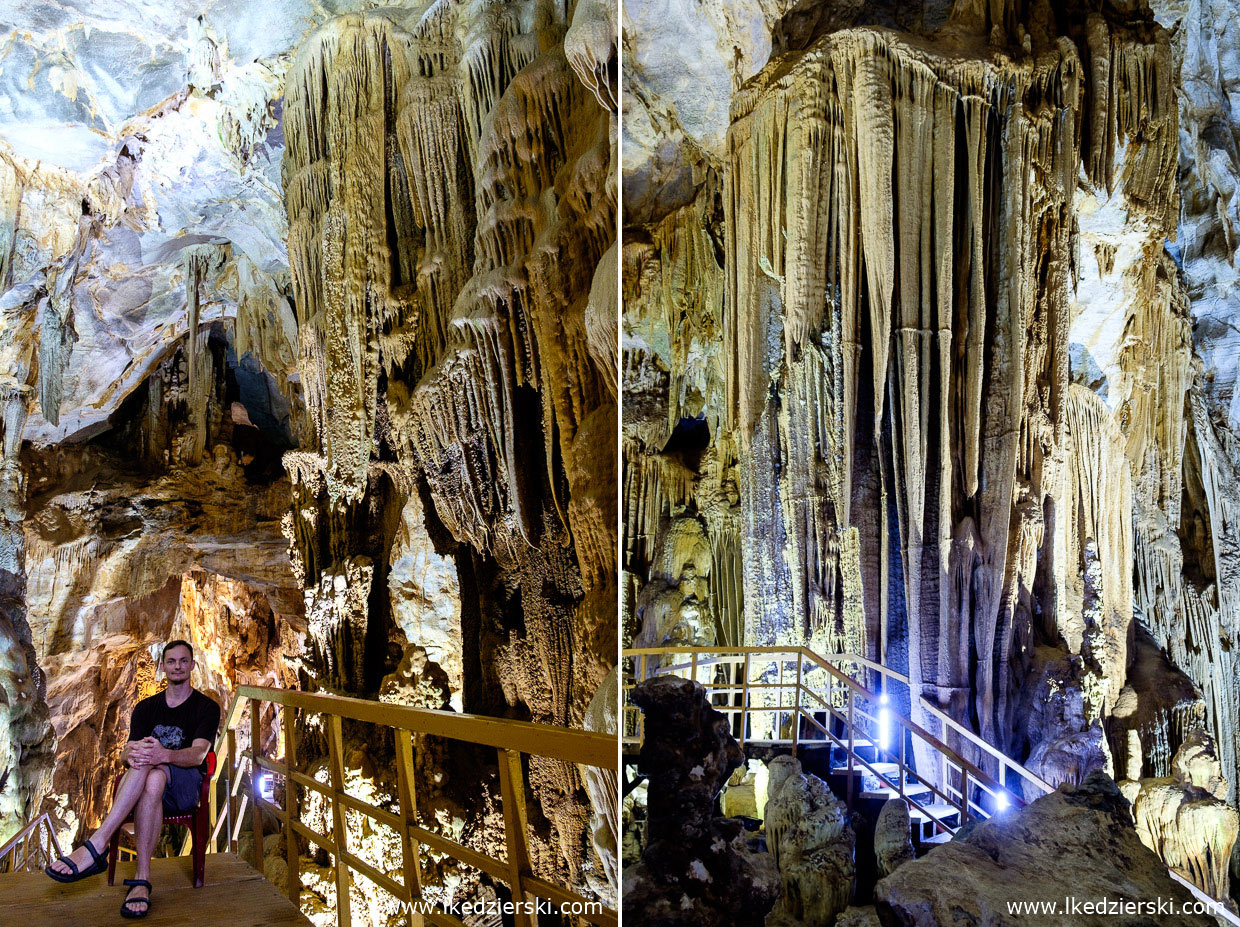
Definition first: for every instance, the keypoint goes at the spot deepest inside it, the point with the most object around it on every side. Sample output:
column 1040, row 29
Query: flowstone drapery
column 912, row 343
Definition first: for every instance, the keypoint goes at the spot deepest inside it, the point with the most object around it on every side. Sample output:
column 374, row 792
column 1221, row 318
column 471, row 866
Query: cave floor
column 234, row 894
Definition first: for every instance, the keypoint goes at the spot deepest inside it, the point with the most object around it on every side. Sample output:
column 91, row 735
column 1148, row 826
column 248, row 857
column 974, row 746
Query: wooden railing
column 231, row 804
column 31, row 848
column 820, row 687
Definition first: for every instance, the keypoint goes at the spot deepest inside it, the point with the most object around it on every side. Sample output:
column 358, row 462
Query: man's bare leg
column 127, row 797
column 148, row 818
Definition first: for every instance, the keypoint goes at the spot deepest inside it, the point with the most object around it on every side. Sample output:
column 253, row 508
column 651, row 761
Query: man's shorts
column 182, row 790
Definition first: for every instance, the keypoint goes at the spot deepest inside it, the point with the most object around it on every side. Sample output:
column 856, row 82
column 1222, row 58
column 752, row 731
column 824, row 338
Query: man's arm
column 150, row 752
column 139, row 731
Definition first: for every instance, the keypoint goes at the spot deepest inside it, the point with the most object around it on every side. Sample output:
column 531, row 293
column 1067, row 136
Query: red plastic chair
column 196, row 820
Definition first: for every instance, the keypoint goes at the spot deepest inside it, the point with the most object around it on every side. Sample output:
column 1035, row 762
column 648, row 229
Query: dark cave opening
column 688, row 441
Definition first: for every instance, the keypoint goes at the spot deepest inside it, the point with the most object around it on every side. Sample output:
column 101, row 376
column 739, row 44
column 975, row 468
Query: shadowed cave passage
column 129, row 545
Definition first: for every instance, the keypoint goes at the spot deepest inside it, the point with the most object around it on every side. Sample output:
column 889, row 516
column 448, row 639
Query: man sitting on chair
column 170, row 735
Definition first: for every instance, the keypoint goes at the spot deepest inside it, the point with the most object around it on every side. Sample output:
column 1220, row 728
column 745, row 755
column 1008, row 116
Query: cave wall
column 923, row 358
column 314, row 364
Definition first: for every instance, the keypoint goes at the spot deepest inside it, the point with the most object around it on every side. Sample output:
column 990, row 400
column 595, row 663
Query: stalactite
column 1189, row 618
column 265, row 325
column 335, row 190
column 860, row 222
column 336, row 614
column 10, row 203
column 198, row 261
column 1132, row 103
column 56, row 334
column 449, row 196
column 1097, row 526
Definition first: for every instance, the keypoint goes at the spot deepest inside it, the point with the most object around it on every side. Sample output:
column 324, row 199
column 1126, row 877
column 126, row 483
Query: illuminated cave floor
column 234, row 894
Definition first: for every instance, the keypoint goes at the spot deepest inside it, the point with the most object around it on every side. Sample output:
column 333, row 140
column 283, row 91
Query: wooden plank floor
column 234, row 894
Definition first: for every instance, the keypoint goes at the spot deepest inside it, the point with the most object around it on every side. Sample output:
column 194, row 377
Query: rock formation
column 603, row 787
column 1184, row 817
column 1074, row 846
column 308, row 356
column 920, row 340
column 696, row 868
column 858, row 917
column 812, row 844
column 893, row 842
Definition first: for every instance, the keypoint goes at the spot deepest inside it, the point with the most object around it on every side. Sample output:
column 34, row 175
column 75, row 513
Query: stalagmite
column 1185, row 819
column 892, row 843
column 811, row 842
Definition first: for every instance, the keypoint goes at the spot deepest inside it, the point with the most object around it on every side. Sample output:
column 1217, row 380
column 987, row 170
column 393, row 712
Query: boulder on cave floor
column 1074, row 847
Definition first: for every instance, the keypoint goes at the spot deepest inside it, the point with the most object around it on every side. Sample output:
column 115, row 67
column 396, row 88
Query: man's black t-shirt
column 176, row 728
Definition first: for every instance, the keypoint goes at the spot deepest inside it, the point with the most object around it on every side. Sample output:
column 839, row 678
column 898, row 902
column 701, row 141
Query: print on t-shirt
column 169, row 737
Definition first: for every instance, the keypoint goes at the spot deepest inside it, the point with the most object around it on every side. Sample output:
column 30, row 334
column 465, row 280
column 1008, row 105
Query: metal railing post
column 850, row 748
column 901, row 762
column 796, row 710
column 964, row 796
column 745, row 699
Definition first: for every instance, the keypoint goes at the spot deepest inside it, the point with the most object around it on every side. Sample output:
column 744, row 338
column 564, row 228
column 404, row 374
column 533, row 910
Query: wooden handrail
column 557, row 743
column 17, row 855
column 512, row 741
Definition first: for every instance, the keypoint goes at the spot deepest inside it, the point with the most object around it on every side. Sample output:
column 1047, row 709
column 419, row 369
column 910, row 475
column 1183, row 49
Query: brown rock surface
column 696, row 868
column 1078, row 842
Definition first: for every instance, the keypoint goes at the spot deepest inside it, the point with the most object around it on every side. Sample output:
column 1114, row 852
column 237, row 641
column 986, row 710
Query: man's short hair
column 177, row 643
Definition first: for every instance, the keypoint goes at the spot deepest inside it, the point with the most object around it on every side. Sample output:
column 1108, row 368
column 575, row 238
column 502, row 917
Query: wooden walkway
column 235, row 894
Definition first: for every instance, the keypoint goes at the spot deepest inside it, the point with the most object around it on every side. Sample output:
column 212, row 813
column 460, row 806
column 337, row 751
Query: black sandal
column 126, row 911
column 98, row 864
